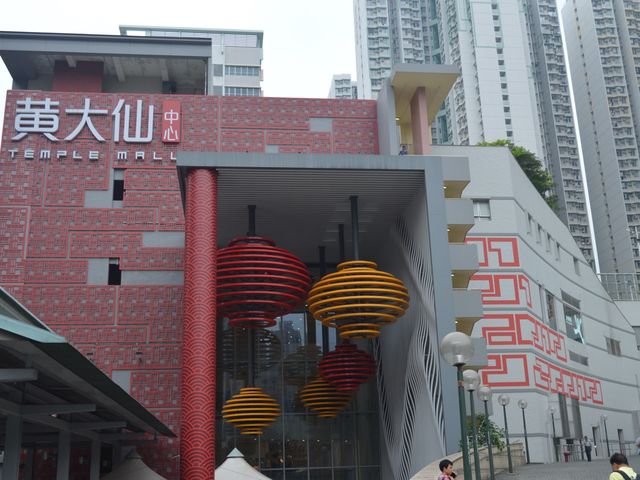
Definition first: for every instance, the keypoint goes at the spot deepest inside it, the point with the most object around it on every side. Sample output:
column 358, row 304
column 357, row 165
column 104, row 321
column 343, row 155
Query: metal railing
column 621, row 286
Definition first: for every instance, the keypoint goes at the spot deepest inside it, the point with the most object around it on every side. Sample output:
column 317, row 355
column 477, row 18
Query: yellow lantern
column 358, row 299
column 323, row 399
column 251, row 410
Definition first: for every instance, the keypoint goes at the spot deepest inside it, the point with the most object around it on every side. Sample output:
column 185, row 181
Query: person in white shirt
column 587, row 447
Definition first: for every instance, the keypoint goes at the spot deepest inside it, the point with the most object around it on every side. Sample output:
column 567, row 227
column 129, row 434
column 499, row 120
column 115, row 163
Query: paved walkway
column 595, row 470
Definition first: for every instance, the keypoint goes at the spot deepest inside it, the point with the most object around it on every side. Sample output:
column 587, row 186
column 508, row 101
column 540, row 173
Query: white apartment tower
column 235, row 65
column 343, row 87
column 508, row 89
column 603, row 41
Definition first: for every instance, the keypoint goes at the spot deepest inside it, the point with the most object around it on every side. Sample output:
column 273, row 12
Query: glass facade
column 299, row 445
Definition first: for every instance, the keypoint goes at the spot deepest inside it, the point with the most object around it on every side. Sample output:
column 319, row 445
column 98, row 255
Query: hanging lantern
column 346, row 367
column 251, row 410
column 267, row 348
column 258, row 282
column 323, row 399
column 358, row 299
column 302, row 364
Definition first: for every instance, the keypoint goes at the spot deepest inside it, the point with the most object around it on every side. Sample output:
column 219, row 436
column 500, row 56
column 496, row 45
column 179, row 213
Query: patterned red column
column 197, row 427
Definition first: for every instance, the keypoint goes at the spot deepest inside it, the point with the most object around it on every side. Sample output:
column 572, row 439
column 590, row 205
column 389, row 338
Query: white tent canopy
column 235, row 467
column 132, row 468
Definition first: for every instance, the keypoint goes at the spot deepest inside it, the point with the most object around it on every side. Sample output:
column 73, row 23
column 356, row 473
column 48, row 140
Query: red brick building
column 92, row 216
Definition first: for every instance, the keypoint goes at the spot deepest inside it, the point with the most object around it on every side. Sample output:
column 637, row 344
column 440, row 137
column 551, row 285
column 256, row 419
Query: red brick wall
column 46, row 236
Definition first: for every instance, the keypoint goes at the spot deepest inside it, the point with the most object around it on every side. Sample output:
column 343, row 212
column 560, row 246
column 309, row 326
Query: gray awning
column 54, row 387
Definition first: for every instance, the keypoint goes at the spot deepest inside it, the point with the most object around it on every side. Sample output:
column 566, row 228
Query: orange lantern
column 251, row 410
column 323, row 399
column 358, row 299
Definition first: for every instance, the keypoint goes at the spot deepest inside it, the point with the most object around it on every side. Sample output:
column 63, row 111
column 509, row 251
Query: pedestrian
column 403, row 150
column 587, row 447
column 638, row 446
column 446, row 470
column 621, row 468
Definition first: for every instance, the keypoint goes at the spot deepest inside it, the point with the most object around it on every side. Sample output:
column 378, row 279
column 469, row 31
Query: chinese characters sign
column 171, row 121
column 42, row 117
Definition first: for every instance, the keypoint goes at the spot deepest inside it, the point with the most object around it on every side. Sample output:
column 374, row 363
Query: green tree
column 496, row 434
column 532, row 168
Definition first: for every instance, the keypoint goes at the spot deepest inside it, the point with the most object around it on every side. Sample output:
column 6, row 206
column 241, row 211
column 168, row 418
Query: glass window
column 320, row 442
column 295, row 442
column 344, row 474
column 551, row 310
column 576, row 357
column 613, row 346
column 482, row 209
column 320, row 474
column 271, row 447
column 343, row 441
column 298, row 444
column 573, row 318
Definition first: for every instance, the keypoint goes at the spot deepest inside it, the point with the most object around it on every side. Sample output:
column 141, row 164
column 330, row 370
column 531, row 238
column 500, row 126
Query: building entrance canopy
column 51, row 394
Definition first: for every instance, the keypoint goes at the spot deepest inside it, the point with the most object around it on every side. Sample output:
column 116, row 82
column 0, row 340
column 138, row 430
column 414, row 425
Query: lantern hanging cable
column 355, row 237
column 250, row 334
column 358, row 299
column 258, row 282
column 323, row 272
column 342, row 258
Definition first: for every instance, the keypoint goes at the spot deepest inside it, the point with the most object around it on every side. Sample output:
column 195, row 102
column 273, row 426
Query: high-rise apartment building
column 603, row 41
column 514, row 82
column 343, row 87
column 235, row 65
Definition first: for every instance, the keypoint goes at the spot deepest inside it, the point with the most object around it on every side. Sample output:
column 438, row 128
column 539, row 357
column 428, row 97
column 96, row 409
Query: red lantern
column 258, row 282
column 346, row 367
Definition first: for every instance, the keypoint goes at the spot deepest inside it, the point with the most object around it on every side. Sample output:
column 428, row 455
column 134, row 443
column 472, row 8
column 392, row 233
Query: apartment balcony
column 464, row 263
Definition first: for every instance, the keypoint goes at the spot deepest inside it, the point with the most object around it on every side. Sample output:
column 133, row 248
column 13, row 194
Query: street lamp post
column 553, row 426
column 484, row 394
column 457, row 350
column 606, row 434
column 471, row 383
column 504, row 401
column 523, row 404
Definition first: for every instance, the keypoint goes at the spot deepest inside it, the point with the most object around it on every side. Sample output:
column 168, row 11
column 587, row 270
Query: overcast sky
column 305, row 42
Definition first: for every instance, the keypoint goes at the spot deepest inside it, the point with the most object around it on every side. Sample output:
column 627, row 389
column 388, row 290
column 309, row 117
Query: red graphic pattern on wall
column 52, row 235
column 506, row 370
column 519, row 327
column 503, row 288
column 523, row 329
column 555, row 379
column 496, row 252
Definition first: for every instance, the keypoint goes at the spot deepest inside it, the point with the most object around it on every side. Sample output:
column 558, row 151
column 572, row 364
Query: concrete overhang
column 302, row 199
column 64, row 381
column 30, row 55
column 436, row 79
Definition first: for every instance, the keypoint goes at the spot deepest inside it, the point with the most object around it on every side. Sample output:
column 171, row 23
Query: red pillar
column 420, row 128
column 197, row 426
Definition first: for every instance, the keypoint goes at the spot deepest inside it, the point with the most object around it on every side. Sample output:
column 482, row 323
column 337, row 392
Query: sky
column 305, row 42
